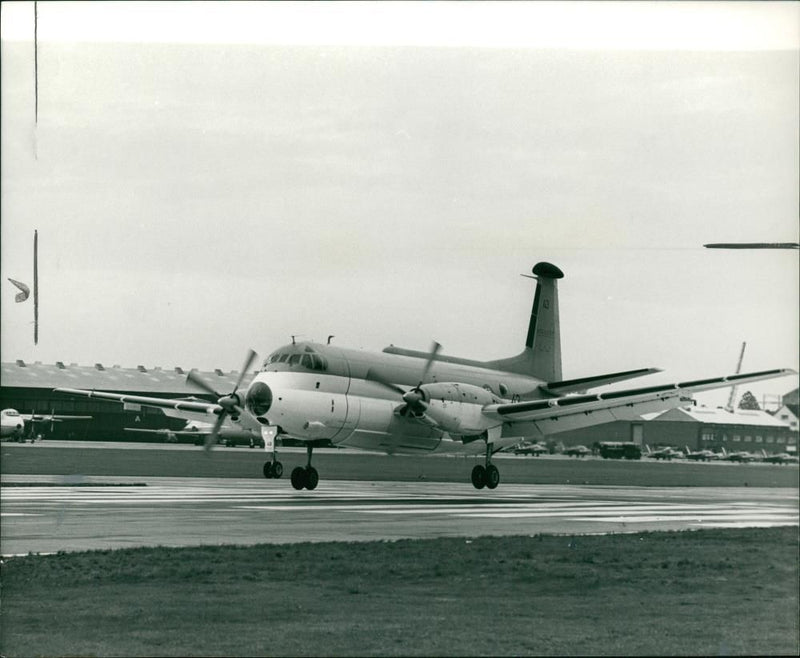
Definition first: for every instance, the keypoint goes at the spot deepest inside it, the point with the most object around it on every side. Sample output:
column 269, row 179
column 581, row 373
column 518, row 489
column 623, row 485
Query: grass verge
column 686, row 593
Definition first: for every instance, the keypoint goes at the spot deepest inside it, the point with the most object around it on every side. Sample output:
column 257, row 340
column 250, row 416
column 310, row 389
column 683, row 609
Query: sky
column 209, row 177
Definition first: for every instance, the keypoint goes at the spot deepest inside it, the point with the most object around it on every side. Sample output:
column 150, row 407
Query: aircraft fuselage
column 326, row 392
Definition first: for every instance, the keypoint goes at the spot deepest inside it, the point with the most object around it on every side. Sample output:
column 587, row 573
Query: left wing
column 574, row 411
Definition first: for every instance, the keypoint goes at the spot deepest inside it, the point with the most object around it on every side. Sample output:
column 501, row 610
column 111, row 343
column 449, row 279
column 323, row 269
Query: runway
column 47, row 514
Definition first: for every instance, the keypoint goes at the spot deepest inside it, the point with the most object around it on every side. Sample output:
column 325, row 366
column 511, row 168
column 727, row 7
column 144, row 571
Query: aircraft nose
column 259, row 399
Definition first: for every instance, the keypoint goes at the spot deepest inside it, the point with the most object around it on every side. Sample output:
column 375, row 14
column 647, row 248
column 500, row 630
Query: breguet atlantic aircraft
column 406, row 401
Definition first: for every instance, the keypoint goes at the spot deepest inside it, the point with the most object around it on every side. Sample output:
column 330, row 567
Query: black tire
column 478, row 477
column 312, row 478
column 492, row 476
column 299, row 478
column 267, row 470
column 277, row 470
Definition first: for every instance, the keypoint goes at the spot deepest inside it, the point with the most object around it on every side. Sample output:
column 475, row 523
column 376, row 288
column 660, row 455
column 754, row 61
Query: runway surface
column 47, row 514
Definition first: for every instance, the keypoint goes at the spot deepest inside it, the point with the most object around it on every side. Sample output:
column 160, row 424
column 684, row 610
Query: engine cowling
column 456, row 408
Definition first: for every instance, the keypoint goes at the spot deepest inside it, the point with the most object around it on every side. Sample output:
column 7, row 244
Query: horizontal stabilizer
column 575, row 385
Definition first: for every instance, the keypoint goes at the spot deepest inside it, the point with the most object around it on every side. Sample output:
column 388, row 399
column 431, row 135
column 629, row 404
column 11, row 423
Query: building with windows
column 708, row 428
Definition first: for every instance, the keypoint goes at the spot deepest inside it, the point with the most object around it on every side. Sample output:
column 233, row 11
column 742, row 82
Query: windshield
column 296, row 357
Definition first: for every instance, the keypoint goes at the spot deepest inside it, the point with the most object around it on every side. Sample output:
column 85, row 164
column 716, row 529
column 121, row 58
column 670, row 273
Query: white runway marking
column 187, row 511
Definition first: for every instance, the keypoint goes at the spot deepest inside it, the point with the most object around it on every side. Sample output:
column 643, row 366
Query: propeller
column 231, row 404
column 415, row 397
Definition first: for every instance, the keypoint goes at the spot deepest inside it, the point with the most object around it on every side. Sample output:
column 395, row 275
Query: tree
column 749, row 401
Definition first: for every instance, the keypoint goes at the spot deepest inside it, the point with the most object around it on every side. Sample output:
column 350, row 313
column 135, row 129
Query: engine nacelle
column 454, row 392
column 457, row 408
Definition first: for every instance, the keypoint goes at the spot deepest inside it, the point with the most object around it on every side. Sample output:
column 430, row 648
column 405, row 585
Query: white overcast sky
column 208, row 177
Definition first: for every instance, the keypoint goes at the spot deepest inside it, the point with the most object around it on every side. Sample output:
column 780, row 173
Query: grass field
column 689, row 593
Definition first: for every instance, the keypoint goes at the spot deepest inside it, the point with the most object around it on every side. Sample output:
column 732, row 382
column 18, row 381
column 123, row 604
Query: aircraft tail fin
column 541, row 357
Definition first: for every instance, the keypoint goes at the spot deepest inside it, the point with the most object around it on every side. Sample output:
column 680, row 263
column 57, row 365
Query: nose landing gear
column 273, row 469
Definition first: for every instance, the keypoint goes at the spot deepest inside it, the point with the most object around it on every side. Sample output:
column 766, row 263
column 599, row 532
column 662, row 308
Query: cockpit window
column 12, row 412
column 305, row 357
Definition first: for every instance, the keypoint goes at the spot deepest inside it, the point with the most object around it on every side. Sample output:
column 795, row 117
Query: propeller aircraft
column 412, row 402
column 197, row 431
column 20, row 427
column 700, row 455
column 780, row 458
column 667, row 453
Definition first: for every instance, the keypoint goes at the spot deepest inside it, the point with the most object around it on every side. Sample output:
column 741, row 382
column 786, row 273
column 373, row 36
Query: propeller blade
column 374, row 376
column 251, row 355
column 199, row 382
column 435, row 347
column 211, row 439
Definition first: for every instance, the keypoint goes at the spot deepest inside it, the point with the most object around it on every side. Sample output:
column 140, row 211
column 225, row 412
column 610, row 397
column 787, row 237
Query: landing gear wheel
column 312, row 478
column 479, row 477
column 492, row 476
column 267, row 470
column 299, row 478
column 277, row 469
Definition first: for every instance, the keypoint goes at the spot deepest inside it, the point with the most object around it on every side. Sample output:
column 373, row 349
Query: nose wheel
column 273, row 469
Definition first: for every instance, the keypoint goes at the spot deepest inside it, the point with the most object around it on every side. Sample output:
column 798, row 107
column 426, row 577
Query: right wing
column 188, row 409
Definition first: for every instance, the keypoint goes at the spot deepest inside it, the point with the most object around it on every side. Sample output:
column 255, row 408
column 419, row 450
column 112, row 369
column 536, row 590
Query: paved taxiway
column 46, row 514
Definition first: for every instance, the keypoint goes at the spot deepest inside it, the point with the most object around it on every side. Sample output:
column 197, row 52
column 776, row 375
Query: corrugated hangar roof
column 719, row 416
column 139, row 379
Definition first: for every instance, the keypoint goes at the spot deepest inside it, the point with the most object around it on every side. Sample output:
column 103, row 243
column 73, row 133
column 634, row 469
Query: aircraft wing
column 574, row 411
column 34, row 418
column 162, row 431
column 188, row 409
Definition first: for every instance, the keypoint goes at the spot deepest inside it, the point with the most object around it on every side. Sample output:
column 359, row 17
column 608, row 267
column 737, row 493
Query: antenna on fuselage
column 329, row 338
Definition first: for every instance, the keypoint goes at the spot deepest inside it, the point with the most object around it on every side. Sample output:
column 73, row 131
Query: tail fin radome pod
column 541, row 357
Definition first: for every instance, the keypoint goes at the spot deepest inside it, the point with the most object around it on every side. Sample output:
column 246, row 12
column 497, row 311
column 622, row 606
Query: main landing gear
column 305, row 478
column 488, row 475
